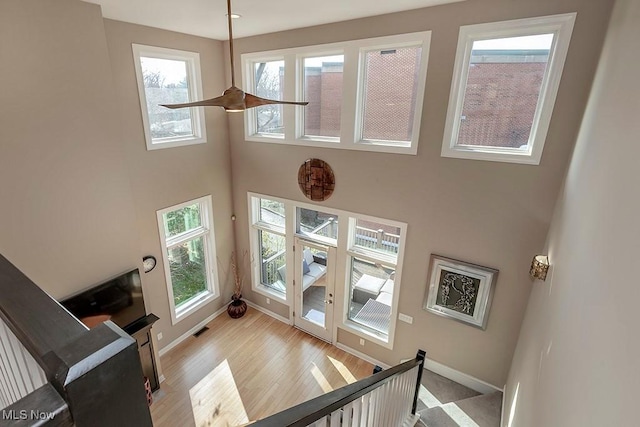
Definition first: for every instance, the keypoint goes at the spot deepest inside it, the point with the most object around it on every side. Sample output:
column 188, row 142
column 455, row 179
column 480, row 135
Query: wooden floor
column 245, row 369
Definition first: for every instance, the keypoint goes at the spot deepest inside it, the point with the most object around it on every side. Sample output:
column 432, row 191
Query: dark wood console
column 141, row 331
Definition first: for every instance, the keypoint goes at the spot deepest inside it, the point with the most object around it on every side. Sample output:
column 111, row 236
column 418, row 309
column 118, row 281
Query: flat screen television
column 119, row 300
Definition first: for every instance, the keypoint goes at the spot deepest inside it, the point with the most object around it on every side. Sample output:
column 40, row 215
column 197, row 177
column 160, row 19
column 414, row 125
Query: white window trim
column 254, row 225
column 205, row 230
column 353, row 251
column 561, row 26
column 343, row 254
column 350, row 129
column 192, row 61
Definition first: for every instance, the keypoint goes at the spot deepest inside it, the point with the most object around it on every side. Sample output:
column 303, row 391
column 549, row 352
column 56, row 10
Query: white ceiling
column 207, row 18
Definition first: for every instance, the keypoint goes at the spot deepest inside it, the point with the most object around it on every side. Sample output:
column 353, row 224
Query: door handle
column 328, row 302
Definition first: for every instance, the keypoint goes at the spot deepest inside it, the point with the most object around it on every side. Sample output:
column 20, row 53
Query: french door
column 314, row 288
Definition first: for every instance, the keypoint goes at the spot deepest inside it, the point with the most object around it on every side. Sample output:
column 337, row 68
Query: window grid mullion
column 174, row 241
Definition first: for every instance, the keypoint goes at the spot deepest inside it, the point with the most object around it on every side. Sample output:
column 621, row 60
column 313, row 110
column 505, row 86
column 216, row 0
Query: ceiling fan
column 234, row 98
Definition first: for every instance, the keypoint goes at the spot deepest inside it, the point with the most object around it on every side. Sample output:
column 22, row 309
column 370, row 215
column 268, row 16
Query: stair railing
column 388, row 398
column 85, row 377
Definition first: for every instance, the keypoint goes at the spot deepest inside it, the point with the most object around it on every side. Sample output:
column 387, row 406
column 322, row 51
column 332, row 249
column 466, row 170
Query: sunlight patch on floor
column 458, row 415
column 343, row 370
column 321, row 379
column 427, row 398
column 216, row 401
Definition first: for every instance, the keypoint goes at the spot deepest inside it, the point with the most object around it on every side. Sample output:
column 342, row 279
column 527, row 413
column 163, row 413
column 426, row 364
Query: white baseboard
column 161, row 379
column 268, row 312
column 362, row 355
column 191, row 331
column 461, row 378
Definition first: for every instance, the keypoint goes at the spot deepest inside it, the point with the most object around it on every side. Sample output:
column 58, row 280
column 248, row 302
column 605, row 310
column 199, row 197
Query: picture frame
column 460, row 290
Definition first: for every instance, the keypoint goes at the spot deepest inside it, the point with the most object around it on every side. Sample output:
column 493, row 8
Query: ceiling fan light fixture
column 233, row 99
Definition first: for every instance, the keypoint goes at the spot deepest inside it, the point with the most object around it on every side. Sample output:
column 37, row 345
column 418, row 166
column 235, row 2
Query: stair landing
column 445, row 403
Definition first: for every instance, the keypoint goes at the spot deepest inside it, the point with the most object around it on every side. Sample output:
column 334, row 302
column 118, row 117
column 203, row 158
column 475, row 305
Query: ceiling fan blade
column 255, row 101
column 213, row 102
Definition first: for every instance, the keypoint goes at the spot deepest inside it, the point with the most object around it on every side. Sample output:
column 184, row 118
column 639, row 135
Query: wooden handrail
column 36, row 319
column 96, row 373
column 321, row 406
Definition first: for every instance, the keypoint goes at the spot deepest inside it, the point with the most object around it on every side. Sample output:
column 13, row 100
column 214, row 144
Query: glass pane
column 323, row 91
column 272, row 212
column 502, row 91
column 188, row 270
column 314, row 284
column 165, row 82
column 269, row 78
column 181, row 220
column 273, row 271
column 371, row 294
column 315, row 223
column 390, row 93
column 376, row 236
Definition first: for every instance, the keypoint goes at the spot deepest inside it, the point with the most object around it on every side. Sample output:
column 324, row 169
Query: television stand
column 140, row 330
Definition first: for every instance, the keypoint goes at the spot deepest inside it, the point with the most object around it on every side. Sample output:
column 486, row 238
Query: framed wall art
column 460, row 290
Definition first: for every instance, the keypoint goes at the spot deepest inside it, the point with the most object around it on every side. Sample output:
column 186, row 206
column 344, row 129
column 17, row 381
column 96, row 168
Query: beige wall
column 493, row 214
column 162, row 178
column 67, row 215
column 79, row 191
column 578, row 355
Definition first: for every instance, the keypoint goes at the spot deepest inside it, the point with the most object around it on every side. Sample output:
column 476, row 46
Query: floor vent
column 200, row 332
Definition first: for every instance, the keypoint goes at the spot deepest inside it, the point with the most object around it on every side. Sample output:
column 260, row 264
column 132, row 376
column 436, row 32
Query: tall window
column 269, row 243
column 167, row 76
column 188, row 243
column 352, row 88
column 373, row 252
column 505, row 82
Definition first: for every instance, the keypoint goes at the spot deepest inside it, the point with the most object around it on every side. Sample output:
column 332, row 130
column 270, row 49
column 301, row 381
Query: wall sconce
column 539, row 267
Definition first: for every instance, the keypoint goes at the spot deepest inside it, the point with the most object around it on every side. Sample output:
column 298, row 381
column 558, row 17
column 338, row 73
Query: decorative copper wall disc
column 316, row 179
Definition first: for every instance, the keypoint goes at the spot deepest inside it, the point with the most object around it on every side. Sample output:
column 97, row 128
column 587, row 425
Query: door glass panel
column 314, row 284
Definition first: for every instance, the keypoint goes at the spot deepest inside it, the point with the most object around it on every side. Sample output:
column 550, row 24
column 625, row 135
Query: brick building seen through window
column 501, row 96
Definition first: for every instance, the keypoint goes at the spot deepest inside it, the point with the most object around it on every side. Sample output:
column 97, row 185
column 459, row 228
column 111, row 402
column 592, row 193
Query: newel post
column 420, row 356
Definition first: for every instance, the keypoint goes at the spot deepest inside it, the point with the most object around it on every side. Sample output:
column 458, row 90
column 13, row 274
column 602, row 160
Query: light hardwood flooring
column 241, row 370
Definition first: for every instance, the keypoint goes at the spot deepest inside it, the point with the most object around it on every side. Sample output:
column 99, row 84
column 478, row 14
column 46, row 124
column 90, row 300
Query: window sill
column 185, row 310
column 493, row 155
column 367, row 333
column 268, row 292
column 376, row 147
column 178, row 142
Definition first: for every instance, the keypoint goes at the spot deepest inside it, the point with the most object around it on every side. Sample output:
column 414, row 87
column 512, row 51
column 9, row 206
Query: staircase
column 444, row 403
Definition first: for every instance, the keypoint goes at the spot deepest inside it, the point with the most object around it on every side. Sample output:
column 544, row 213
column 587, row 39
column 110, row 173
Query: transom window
column 167, row 76
column 353, row 89
column 269, row 84
column 188, row 244
column 505, row 82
